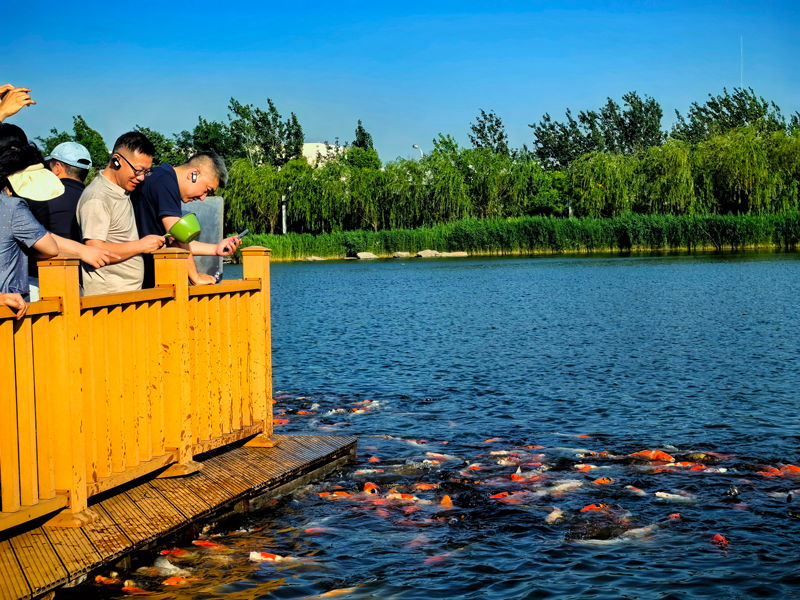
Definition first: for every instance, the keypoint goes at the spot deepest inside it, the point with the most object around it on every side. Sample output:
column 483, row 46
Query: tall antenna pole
column 741, row 62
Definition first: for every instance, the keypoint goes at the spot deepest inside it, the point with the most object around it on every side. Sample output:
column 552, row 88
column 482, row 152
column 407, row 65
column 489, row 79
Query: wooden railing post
column 58, row 278
column 171, row 270
column 259, row 348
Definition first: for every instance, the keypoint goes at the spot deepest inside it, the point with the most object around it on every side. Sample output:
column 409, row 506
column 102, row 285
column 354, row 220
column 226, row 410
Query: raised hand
column 13, row 99
column 15, row 302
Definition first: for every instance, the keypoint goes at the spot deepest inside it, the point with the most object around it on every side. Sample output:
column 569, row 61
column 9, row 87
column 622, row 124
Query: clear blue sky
column 409, row 70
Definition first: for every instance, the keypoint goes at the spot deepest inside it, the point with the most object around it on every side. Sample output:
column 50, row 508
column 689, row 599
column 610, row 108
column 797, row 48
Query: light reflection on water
column 683, row 353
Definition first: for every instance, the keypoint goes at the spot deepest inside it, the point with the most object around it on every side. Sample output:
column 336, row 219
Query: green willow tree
column 84, row 135
column 489, row 132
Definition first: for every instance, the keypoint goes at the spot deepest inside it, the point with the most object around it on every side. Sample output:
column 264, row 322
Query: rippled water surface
column 550, row 363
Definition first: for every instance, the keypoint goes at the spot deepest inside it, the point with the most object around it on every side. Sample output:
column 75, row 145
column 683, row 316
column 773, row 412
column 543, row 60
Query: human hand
column 203, row 279
column 12, row 100
column 151, row 243
column 14, row 301
column 97, row 257
column 228, row 246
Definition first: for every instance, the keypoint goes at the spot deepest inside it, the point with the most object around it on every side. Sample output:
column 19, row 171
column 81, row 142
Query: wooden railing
column 100, row 390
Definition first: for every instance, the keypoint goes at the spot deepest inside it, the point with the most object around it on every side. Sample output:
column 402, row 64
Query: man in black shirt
column 70, row 162
column 158, row 201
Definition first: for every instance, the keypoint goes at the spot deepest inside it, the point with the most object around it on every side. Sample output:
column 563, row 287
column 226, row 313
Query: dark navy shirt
column 19, row 231
column 158, row 196
column 64, row 211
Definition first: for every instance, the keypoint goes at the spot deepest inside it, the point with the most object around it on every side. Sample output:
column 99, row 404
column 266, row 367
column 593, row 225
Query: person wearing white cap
column 70, row 162
column 21, row 172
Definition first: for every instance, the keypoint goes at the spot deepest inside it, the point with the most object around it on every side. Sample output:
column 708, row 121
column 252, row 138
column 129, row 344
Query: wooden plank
column 116, row 420
column 228, row 438
column 215, row 358
column 43, row 390
column 13, row 585
column 142, row 409
column 48, row 306
column 132, row 521
column 39, row 561
column 225, row 479
column 229, row 287
column 140, row 470
column 236, row 349
column 28, row 513
column 108, row 539
column 9, row 450
column 105, row 387
column 226, row 354
column 73, row 547
column 213, row 494
column 114, row 300
column 202, row 349
column 242, row 468
column 89, row 364
column 197, row 384
column 26, row 413
column 244, row 360
column 160, row 513
column 269, row 462
column 155, row 384
column 182, row 497
column 127, row 349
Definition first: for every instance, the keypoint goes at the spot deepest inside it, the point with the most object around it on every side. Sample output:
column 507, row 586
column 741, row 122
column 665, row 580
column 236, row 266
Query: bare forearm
column 202, row 249
column 125, row 250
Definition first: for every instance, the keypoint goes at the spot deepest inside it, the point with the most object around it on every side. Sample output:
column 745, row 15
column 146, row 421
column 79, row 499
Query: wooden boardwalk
column 35, row 559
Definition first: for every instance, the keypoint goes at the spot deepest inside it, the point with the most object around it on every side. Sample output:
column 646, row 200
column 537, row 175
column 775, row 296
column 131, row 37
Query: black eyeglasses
column 137, row 172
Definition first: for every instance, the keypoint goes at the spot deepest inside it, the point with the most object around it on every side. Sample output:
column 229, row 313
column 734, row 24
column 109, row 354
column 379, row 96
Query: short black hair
column 134, row 141
column 72, row 172
column 17, row 153
column 214, row 161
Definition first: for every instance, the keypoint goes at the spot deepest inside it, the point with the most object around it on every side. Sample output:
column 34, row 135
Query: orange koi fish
column 206, row 544
column 280, row 421
column 266, row 557
column 790, row 470
column 653, row 455
column 382, row 513
column 447, row 502
column 675, row 516
column 318, row 530
column 720, row 540
column 108, row 580
column 770, row 472
column 474, row 466
column 426, row 486
column 177, row 580
column 491, row 440
column 371, row 488
column 374, row 459
column 595, row 507
column 603, row 481
column 305, row 412
column 436, row 559
column 135, row 591
column 176, row 552
column 369, row 471
column 635, row 490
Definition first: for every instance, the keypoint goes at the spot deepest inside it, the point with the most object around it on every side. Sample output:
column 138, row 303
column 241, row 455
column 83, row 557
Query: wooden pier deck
column 35, row 558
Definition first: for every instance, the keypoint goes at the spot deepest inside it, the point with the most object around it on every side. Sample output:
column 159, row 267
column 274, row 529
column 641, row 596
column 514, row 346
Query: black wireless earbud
column 115, row 162
column 194, row 176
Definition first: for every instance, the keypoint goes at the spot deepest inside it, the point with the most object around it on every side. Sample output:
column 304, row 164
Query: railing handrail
column 165, row 292
column 228, row 287
column 45, row 306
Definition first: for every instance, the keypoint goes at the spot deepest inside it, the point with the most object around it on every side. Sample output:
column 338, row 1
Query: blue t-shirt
column 19, row 231
column 158, row 196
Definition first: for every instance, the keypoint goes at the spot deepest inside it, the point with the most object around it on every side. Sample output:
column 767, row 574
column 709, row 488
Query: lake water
column 560, row 359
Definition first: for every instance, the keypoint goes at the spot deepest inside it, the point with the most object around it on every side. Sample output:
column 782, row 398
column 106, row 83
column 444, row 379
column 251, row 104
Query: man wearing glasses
column 158, row 202
column 106, row 219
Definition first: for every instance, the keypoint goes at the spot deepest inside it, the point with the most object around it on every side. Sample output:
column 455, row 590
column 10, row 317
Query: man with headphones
column 106, row 219
column 157, row 205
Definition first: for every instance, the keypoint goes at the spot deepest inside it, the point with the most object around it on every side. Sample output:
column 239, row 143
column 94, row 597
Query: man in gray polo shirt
column 106, row 219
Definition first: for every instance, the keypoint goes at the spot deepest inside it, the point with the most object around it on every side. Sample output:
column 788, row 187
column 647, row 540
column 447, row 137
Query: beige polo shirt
column 105, row 213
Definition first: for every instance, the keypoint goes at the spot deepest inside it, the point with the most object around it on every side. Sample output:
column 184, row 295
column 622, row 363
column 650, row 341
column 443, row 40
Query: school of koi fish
column 413, row 508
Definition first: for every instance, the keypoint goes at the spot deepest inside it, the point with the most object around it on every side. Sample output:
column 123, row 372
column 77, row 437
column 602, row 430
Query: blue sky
column 409, row 71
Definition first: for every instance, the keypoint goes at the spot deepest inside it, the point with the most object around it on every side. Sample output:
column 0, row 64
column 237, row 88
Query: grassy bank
column 549, row 234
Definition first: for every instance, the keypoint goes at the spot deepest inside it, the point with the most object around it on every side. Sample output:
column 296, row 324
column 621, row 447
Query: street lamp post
column 421, row 155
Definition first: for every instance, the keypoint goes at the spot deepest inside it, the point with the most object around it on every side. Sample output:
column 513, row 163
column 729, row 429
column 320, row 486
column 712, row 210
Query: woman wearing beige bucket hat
column 22, row 174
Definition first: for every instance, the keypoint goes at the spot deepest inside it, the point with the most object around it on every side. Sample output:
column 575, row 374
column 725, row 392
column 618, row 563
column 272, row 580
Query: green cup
column 185, row 230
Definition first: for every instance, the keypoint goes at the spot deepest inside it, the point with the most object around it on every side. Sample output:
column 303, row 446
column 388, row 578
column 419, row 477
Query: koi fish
column 318, row 530
column 371, row 488
column 206, row 544
column 688, row 499
column 770, row 472
column 420, row 540
column 362, row 402
column 165, row 567
column 446, row 502
column 176, row 552
column 635, row 490
column 108, row 580
column 336, row 593
column 584, row 468
column 280, row 421
column 595, row 507
column 603, row 481
column 135, row 591
column 566, row 486
column 554, row 516
column 790, row 470
column 266, row 557
column 374, row 459
column 474, row 466
column 441, row 456
column 426, row 486
column 369, row 471
column 175, row 581
column 359, row 411
column 653, row 455
column 675, row 516
column 491, row 440
column 305, row 412
column 720, row 541
column 436, row 559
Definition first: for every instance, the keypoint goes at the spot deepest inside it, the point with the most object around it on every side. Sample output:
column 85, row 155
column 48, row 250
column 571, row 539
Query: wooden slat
column 201, row 353
column 243, row 345
column 241, row 467
column 207, row 489
column 140, row 384
column 215, row 358
column 38, row 560
column 108, row 539
column 127, row 348
column 226, row 439
column 116, row 418
column 105, row 379
column 13, row 585
column 9, row 450
column 113, row 300
column 160, row 513
column 26, row 413
column 28, row 513
column 90, row 391
column 237, row 346
column 129, row 474
column 44, row 399
column 197, row 385
column 226, row 353
column 49, row 306
column 227, row 287
column 181, row 497
column 131, row 520
column 155, row 384
column 76, row 552
column 225, row 479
